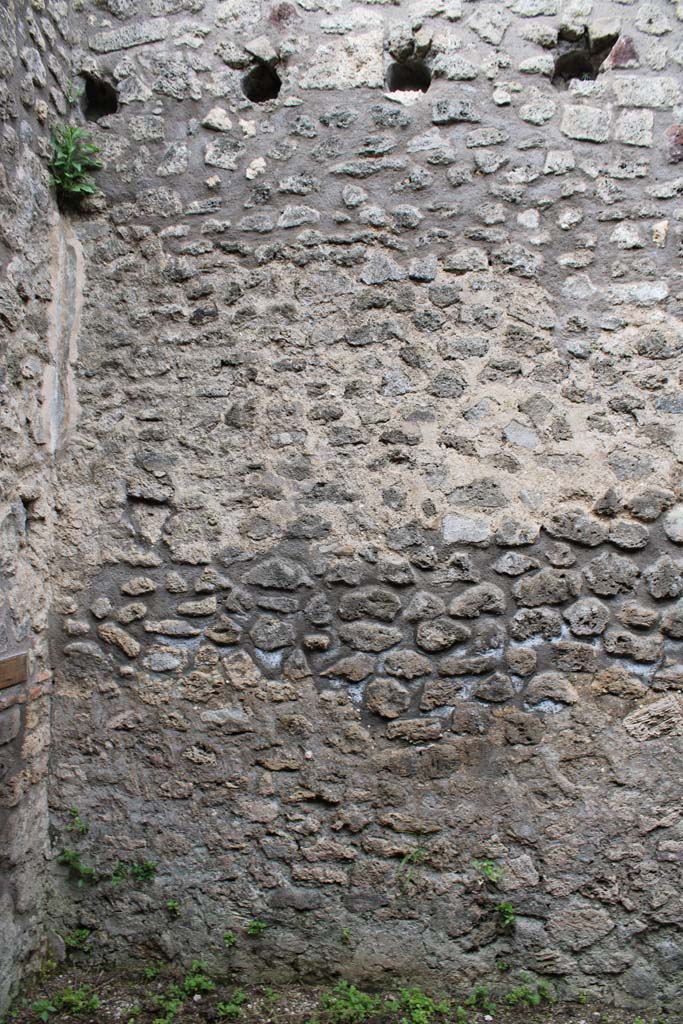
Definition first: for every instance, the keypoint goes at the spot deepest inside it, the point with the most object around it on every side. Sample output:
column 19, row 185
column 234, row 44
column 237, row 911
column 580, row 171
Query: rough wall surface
column 369, row 552
column 35, row 54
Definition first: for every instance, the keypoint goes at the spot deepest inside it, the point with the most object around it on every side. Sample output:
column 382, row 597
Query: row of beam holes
column 262, row 82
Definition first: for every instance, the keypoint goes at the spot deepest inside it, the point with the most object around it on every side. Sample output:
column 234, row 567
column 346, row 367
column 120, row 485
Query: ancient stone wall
column 369, row 540
column 35, row 55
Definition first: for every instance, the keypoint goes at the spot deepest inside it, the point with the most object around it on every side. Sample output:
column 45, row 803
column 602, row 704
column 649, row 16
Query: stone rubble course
column 341, row 488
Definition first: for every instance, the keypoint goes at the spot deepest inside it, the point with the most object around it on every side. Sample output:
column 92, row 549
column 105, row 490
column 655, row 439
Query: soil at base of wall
column 92, row 996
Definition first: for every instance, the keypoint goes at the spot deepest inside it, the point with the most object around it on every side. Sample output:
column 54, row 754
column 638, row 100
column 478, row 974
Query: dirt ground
column 153, row 994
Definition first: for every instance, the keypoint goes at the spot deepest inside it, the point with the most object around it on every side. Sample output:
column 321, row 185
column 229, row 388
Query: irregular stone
column 113, row 634
column 471, row 719
column 270, row 634
column 440, row 633
column 354, row 668
column 576, row 526
column 483, row 597
column 278, row 573
column 637, row 615
column 673, row 524
column 217, row 120
column 521, row 728
column 587, row 617
column 549, row 586
column 514, row 564
column 664, row 578
column 610, row 574
column 439, row 693
column 495, row 689
column 386, row 697
column 560, row 555
column 407, row 664
column 369, row 636
column 370, row 602
column 660, row 718
column 622, row 644
column 673, row 143
column 224, row 632
column 424, row 605
column 578, row 926
column 132, row 612
column 672, row 621
column 521, row 661
column 453, row 111
column 225, row 152
column 465, row 530
column 591, row 124
column 171, row 627
column 628, row 535
column 101, row 607
column 138, row 585
column 668, row 677
column 163, row 659
column 232, row 720
column 415, row 730
column 533, row 622
column 207, row 606
column 574, row 657
column 550, row 686
column 379, row 269
column 617, row 682
column 462, row 665
column 124, row 38
column 512, row 533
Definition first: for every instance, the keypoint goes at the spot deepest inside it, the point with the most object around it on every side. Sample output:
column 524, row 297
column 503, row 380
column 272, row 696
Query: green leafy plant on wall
column 74, row 156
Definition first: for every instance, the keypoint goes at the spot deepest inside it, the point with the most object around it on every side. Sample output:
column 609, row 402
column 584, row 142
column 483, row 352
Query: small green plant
column 197, row 981
column 77, row 1000
column 346, row 1004
column 72, row 93
column 529, row 994
column 345, row 937
column 507, row 915
column 72, row 1000
column 120, row 873
column 151, row 971
column 140, row 871
column 406, row 868
column 77, row 939
column 173, row 908
column 416, row 1007
column 143, row 871
column 74, row 155
column 502, row 966
column 270, row 995
column 480, row 999
column 583, row 998
column 256, row 928
column 43, row 1008
column 232, row 1010
column 77, row 869
column 229, row 939
column 491, row 871
column 461, row 1016
column 77, row 824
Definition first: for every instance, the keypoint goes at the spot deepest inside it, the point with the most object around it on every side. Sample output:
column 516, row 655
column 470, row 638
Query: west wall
column 369, row 538
column 35, row 56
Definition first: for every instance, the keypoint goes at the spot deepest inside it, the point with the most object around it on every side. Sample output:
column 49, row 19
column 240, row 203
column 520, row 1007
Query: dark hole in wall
column 408, row 76
column 99, row 99
column 261, row 83
column 581, row 59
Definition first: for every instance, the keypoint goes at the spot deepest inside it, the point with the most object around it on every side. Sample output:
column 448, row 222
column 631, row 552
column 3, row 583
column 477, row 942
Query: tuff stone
column 407, row 664
column 483, row 597
column 387, row 698
column 440, row 633
column 370, row 602
column 587, row 617
column 548, row 586
column 610, row 574
column 369, row 636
